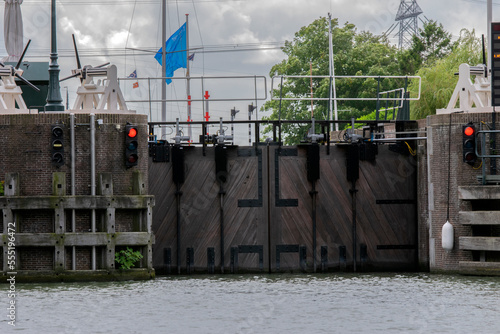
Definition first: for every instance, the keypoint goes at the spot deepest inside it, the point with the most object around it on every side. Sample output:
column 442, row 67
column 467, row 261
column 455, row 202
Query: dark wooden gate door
column 267, row 216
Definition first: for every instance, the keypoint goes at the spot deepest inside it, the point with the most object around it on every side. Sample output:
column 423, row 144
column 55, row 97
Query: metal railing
column 483, row 155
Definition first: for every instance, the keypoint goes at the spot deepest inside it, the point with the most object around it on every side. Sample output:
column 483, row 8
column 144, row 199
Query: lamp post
column 54, row 99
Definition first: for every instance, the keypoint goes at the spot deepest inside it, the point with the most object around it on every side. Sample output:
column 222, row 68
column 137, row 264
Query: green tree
column 439, row 79
column 431, row 43
column 354, row 54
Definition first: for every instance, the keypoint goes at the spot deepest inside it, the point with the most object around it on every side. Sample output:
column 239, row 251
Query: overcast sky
column 106, row 28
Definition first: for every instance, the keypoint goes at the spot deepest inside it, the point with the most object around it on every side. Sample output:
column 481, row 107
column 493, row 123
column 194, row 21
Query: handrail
column 309, row 98
column 203, row 79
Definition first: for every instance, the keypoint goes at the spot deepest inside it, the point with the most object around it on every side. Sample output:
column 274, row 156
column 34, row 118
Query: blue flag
column 175, row 49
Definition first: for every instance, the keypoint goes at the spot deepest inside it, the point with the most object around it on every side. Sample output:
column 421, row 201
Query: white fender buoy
column 447, row 236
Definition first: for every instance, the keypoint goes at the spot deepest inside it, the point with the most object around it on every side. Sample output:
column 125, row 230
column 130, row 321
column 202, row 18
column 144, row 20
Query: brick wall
column 35, row 221
column 436, row 191
column 125, row 220
column 36, row 258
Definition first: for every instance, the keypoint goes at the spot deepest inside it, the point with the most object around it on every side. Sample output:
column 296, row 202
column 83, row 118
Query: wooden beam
column 480, row 243
column 479, row 217
column 76, row 202
column 479, row 268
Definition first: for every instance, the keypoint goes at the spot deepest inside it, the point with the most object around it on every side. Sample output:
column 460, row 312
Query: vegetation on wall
column 127, row 258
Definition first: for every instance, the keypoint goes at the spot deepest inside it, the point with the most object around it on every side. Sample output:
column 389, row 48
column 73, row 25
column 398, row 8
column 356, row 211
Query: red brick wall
column 125, row 220
column 35, row 221
column 36, row 258
column 83, row 257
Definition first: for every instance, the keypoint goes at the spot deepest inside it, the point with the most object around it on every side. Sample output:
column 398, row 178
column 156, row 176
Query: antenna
column 484, row 54
column 22, row 56
column 78, row 64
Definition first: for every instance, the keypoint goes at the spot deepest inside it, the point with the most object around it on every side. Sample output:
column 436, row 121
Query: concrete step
column 469, row 193
column 479, row 217
column 479, row 268
column 479, row 243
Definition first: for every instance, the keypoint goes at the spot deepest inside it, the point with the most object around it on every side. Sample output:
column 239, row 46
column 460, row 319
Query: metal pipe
column 399, row 139
column 163, row 65
column 73, row 185
column 92, row 182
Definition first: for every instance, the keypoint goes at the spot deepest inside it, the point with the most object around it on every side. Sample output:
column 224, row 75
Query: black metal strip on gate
column 385, row 247
column 291, row 249
column 246, row 249
column 395, row 201
column 252, row 203
column 282, row 152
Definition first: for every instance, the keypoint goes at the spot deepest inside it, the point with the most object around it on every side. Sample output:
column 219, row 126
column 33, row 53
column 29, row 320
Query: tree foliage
column 431, row 43
column 359, row 53
column 355, row 53
column 439, row 79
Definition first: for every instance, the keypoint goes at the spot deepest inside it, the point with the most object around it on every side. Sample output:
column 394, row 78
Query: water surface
column 346, row 303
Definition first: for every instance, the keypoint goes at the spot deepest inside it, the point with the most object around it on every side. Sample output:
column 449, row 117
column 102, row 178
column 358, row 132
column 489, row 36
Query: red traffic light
column 132, row 132
column 132, row 159
column 469, row 131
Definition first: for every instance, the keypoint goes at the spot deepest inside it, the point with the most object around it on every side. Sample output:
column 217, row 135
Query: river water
column 330, row 303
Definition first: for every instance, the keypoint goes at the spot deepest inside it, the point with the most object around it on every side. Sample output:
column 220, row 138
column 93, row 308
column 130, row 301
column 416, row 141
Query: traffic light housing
column 131, row 145
column 57, row 145
column 469, row 143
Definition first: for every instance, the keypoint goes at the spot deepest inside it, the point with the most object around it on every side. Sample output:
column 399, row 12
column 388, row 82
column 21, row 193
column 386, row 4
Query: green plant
column 1, row 188
column 127, row 258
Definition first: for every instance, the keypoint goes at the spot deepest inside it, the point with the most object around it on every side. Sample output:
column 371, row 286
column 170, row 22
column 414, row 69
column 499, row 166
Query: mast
column 164, row 69
column 489, row 18
column 333, row 91
column 188, row 83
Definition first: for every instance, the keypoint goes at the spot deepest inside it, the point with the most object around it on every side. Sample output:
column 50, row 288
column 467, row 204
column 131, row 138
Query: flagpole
column 164, row 70
column 188, row 88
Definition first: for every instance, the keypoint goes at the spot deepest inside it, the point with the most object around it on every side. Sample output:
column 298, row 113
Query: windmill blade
column 22, row 56
column 27, row 82
column 78, row 64
column 106, row 64
column 71, row 76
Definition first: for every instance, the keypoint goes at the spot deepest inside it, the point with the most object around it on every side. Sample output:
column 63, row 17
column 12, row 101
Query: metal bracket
column 291, row 249
column 167, row 259
column 189, row 260
column 324, row 258
column 395, row 201
column 246, row 249
column 280, row 202
column 385, row 247
column 249, row 203
column 342, row 257
column 211, row 260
